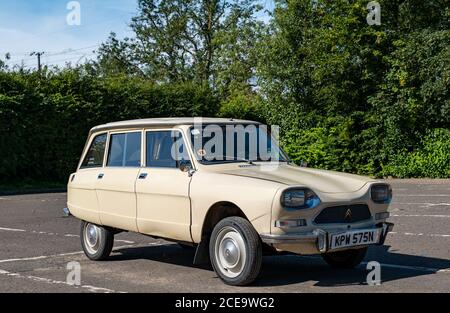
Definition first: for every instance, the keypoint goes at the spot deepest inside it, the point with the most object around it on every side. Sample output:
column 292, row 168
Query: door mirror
column 185, row 166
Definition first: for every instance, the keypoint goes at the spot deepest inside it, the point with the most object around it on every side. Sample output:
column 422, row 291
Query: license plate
column 354, row 238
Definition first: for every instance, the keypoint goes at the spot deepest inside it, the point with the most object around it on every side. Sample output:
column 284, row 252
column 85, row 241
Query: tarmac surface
column 37, row 245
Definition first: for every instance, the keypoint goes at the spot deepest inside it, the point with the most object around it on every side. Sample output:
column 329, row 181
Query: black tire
column 104, row 245
column 345, row 259
column 250, row 245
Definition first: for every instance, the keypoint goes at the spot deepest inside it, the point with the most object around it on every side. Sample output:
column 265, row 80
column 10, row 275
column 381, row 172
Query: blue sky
column 40, row 25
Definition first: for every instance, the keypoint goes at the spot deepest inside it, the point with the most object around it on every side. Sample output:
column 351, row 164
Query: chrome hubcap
column 230, row 252
column 92, row 238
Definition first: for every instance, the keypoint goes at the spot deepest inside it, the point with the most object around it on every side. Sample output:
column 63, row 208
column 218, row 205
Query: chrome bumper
column 319, row 237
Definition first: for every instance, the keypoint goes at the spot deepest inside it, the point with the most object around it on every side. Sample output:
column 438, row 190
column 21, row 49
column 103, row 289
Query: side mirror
column 185, row 167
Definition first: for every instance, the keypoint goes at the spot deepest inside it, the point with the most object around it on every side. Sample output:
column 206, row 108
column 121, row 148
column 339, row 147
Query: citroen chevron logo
column 348, row 214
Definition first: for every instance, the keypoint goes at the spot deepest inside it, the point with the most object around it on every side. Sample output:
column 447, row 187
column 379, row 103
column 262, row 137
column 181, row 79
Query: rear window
column 94, row 156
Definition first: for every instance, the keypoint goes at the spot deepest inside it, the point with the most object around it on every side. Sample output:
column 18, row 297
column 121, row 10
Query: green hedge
column 431, row 159
column 44, row 119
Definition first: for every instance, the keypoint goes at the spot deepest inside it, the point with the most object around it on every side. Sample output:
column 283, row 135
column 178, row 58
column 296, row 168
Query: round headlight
column 381, row 193
column 297, row 199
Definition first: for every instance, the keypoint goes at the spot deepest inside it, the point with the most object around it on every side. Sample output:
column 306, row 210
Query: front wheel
column 235, row 250
column 345, row 259
column 97, row 241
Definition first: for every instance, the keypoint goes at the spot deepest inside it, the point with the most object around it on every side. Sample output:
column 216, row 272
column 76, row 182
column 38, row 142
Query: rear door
column 116, row 183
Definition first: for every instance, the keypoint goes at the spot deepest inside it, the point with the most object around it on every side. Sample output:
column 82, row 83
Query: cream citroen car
column 210, row 188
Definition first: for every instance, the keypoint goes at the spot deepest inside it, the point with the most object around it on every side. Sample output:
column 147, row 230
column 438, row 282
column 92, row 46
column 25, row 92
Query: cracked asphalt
column 37, row 244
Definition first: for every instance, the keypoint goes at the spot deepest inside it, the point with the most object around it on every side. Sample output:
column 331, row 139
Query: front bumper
column 319, row 237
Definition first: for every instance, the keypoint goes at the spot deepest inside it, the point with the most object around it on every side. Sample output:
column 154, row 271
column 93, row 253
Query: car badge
column 348, row 214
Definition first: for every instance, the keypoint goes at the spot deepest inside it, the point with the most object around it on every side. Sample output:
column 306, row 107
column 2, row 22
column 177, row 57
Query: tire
column 235, row 251
column 97, row 241
column 345, row 259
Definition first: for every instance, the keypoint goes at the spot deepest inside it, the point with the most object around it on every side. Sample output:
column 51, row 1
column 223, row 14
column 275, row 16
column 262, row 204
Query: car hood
column 319, row 180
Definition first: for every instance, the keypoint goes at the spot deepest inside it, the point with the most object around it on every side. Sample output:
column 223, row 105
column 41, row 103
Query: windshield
column 215, row 144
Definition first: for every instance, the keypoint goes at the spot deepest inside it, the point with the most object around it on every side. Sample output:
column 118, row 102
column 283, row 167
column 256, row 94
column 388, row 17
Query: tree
column 326, row 74
column 188, row 40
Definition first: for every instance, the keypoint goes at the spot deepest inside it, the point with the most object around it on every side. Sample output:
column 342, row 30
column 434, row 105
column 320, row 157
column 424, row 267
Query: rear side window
column 125, row 150
column 96, row 152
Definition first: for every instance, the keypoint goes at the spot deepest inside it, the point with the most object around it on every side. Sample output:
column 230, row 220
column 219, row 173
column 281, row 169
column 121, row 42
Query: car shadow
column 166, row 253
column 282, row 270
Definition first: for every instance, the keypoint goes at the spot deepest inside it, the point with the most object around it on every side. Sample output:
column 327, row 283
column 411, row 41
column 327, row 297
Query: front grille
column 345, row 214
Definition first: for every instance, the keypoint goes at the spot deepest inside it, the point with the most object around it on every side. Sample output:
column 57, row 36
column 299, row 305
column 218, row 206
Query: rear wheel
column 97, row 241
column 345, row 259
column 235, row 250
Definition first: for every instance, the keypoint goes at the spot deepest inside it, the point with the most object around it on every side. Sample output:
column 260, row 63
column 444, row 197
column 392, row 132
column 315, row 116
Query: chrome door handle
column 143, row 176
column 100, row 176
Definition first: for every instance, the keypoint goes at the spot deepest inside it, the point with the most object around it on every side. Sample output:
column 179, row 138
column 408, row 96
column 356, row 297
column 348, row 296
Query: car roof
column 172, row 121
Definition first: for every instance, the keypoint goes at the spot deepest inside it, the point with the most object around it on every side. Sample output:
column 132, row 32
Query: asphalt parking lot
column 37, row 243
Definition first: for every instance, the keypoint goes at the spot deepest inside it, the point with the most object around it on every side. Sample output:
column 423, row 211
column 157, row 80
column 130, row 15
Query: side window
column 125, row 150
column 165, row 149
column 96, row 152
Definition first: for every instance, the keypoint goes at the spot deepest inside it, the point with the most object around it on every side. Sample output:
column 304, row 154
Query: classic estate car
column 171, row 178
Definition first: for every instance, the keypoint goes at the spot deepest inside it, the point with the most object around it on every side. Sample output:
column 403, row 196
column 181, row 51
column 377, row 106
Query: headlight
column 381, row 193
column 297, row 199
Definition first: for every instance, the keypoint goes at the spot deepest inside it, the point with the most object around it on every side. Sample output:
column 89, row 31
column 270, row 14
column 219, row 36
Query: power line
column 63, row 52
column 72, row 58
column 72, row 50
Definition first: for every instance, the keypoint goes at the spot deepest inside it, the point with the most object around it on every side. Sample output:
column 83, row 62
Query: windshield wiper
column 235, row 159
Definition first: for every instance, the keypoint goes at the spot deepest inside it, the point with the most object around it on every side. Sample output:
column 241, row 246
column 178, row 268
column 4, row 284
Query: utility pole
column 39, row 54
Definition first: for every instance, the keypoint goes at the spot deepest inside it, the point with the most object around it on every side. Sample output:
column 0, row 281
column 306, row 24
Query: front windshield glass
column 215, row 144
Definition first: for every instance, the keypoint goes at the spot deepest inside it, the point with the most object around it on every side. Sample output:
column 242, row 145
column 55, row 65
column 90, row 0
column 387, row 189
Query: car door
column 162, row 189
column 82, row 197
column 116, row 183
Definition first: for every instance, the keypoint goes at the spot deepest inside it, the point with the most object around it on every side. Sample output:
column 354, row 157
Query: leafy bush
column 431, row 159
column 243, row 105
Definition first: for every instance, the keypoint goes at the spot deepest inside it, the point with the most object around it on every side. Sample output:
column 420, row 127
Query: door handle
column 143, row 176
column 100, row 176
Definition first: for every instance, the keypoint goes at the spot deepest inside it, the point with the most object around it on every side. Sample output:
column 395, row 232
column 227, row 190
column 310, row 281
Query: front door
column 116, row 183
column 162, row 189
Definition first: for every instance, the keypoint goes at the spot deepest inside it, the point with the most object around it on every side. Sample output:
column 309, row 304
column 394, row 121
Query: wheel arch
column 216, row 212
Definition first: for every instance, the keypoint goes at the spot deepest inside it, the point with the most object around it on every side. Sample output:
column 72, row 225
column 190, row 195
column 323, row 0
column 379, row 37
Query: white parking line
column 419, row 215
column 415, row 268
column 12, row 229
column 124, row 241
column 41, row 257
column 90, row 288
column 405, row 267
column 420, row 195
column 55, row 234
column 420, row 234
column 421, row 203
